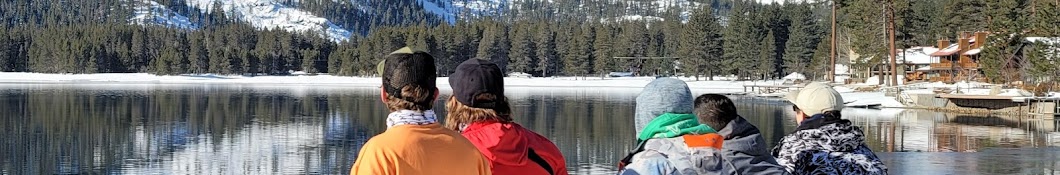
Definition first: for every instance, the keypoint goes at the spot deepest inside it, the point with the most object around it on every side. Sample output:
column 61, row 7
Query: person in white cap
column 824, row 143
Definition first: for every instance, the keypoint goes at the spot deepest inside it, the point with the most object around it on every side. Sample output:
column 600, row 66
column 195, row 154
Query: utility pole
column 831, row 72
column 891, row 31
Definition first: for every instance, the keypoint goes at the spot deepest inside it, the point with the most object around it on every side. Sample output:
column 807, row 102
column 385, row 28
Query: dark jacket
column 744, row 150
column 827, row 145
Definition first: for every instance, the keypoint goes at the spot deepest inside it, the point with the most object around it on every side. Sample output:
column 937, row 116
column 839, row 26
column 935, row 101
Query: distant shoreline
column 323, row 79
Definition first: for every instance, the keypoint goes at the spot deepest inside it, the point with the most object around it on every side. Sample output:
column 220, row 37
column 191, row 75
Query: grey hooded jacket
column 669, row 156
column 745, row 151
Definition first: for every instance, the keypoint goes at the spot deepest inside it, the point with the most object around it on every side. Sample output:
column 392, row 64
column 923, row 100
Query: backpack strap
column 629, row 157
column 540, row 161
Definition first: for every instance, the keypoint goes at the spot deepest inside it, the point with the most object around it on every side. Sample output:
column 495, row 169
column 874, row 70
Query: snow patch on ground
column 153, row 13
column 269, row 14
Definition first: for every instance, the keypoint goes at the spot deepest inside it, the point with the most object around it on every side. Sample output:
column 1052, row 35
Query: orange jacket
column 419, row 149
column 508, row 145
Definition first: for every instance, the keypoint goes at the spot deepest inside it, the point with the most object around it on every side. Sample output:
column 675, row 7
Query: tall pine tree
column 802, row 39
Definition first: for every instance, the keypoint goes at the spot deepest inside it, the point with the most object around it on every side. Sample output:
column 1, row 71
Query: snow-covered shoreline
column 621, row 84
column 443, row 82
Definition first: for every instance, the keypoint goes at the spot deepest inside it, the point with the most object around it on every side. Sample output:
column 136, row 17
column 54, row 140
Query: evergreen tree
column 603, row 63
column 522, row 51
column 1007, row 22
column 821, row 60
column 546, row 52
column 1046, row 18
column 921, row 22
column 580, row 55
column 197, row 53
column 701, row 45
column 867, row 33
column 740, row 41
column 802, row 40
column 767, row 67
column 965, row 15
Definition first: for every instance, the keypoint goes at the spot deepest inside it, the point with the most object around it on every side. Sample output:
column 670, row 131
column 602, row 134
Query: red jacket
column 507, row 146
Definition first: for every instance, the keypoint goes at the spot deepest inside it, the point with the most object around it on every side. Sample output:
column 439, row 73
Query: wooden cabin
column 958, row 61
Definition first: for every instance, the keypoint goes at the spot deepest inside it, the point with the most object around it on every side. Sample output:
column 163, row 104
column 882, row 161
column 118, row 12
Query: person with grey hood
column 670, row 140
column 824, row 143
column 744, row 150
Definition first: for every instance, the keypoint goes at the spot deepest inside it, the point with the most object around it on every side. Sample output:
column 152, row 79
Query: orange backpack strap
column 704, row 140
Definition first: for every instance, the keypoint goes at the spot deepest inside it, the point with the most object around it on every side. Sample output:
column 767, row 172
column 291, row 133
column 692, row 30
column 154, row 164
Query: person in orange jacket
column 479, row 110
column 414, row 143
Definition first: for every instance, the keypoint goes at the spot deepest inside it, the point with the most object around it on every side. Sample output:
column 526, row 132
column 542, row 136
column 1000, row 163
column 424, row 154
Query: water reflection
column 211, row 129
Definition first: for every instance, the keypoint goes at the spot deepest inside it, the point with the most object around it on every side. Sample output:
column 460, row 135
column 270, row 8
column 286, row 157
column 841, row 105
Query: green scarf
column 670, row 125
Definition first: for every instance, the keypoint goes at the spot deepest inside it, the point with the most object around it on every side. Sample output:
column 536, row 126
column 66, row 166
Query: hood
column 742, row 135
column 746, row 151
column 839, row 135
column 663, row 95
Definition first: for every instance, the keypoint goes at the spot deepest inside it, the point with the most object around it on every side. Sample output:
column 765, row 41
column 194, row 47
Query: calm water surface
column 233, row 129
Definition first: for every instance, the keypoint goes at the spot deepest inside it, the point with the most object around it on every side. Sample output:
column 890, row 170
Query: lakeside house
column 958, row 61
column 916, row 62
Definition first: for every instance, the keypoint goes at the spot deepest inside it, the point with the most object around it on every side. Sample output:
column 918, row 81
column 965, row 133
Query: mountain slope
column 270, row 14
column 153, row 13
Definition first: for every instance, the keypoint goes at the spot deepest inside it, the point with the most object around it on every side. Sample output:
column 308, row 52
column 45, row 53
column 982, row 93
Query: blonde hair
column 414, row 98
column 458, row 113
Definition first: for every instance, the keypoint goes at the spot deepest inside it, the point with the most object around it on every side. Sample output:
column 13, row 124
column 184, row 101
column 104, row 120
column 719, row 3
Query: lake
column 258, row 129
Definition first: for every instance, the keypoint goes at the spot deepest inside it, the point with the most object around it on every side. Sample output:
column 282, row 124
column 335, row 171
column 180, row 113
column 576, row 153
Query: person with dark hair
column 670, row 140
column 480, row 111
column 744, row 150
column 824, row 143
column 414, row 143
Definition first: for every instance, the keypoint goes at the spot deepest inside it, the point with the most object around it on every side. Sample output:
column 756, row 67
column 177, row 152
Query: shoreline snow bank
column 443, row 82
column 624, row 84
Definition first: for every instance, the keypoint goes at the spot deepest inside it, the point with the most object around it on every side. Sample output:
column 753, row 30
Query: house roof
column 973, row 52
column 795, row 76
column 1049, row 40
column 952, row 49
column 916, row 55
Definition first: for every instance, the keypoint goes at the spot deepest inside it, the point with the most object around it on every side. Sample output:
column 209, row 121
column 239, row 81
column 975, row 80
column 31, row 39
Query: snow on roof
column 952, row 49
column 973, row 52
column 925, row 68
column 1054, row 41
column 916, row 55
column 841, row 69
column 796, row 76
column 1050, row 40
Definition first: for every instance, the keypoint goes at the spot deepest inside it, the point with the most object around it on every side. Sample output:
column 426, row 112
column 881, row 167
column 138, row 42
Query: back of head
column 816, row 98
column 663, row 95
column 715, row 110
column 478, row 94
column 409, row 80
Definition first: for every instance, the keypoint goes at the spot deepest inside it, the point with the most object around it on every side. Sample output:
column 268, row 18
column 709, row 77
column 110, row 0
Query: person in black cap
column 414, row 143
column 480, row 111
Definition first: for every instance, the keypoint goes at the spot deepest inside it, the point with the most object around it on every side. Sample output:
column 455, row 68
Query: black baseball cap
column 474, row 77
column 407, row 67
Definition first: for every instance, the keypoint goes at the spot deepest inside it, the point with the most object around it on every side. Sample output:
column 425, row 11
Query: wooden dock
column 767, row 89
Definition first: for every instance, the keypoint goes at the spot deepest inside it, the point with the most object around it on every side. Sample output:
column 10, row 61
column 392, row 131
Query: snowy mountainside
column 442, row 8
column 153, row 13
column 269, row 14
column 636, row 10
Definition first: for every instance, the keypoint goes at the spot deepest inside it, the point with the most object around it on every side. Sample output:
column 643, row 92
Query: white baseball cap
column 816, row 98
